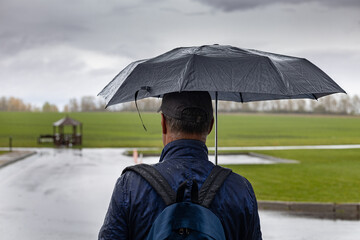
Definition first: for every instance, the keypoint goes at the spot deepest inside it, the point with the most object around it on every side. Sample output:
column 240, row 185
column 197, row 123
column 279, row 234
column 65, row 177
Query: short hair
column 191, row 127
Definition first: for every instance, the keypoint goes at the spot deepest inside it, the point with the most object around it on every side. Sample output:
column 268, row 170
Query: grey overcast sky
column 52, row 50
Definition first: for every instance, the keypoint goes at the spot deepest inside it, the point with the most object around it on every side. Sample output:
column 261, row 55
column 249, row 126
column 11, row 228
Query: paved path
column 349, row 146
column 249, row 148
column 21, row 153
column 64, row 194
column 14, row 156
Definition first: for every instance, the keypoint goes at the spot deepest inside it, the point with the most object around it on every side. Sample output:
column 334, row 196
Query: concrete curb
column 12, row 157
column 343, row 211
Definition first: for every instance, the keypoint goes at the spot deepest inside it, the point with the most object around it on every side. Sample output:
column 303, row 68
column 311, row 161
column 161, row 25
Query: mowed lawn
column 100, row 129
column 113, row 129
column 321, row 175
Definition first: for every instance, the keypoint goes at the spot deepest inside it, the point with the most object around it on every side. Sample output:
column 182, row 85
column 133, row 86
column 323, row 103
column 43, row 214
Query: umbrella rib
column 112, row 87
column 304, row 77
column 294, row 70
column 277, row 71
column 247, row 74
column 186, row 72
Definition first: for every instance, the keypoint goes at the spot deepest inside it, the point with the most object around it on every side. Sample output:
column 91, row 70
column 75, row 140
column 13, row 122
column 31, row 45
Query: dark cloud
column 36, row 23
column 78, row 47
column 233, row 5
column 14, row 42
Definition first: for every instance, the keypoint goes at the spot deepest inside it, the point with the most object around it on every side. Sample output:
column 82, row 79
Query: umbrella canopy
column 235, row 74
column 226, row 72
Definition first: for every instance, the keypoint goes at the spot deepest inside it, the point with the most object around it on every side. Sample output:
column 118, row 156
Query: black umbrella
column 226, row 72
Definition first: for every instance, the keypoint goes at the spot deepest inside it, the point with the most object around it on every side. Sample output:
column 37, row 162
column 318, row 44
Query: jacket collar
column 185, row 149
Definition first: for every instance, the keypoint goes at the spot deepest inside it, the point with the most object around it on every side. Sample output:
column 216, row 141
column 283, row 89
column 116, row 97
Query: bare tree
column 100, row 104
column 73, row 105
column 88, row 104
column 66, row 108
column 356, row 104
column 3, row 104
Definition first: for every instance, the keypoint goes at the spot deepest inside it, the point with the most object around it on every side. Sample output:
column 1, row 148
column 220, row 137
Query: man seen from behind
column 186, row 121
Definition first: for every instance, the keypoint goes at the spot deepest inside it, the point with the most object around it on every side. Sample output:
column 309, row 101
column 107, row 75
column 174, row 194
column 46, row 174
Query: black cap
column 175, row 104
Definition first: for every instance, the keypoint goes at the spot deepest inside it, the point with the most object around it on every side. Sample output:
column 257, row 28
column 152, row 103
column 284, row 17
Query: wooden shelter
column 62, row 138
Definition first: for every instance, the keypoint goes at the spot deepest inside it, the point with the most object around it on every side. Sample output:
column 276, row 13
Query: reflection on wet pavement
column 64, row 194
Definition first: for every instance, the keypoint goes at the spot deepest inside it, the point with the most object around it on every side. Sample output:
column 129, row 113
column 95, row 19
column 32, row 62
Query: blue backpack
column 185, row 220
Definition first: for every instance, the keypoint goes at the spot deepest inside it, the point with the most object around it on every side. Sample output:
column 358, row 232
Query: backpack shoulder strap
column 212, row 184
column 156, row 180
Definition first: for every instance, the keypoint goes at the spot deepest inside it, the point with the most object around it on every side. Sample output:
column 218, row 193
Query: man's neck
column 177, row 136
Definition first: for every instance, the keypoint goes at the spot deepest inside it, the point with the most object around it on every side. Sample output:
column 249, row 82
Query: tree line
column 333, row 104
column 85, row 104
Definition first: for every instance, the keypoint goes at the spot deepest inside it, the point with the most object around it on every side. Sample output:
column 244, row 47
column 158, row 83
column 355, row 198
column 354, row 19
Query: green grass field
column 99, row 129
column 125, row 130
column 321, row 175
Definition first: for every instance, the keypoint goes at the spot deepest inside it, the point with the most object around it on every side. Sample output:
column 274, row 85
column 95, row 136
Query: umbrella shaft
column 216, row 129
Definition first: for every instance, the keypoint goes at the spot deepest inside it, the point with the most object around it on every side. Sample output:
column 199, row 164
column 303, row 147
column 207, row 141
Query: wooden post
column 10, row 143
column 61, row 133
column 81, row 133
column 74, row 140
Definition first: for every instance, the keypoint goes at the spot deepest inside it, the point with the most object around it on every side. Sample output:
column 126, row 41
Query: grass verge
column 321, row 176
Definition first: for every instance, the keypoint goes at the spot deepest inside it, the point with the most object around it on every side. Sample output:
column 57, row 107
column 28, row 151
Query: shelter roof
column 66, row 121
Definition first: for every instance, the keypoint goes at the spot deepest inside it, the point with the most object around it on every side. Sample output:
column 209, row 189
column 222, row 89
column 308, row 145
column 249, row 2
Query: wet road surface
column 64, row 194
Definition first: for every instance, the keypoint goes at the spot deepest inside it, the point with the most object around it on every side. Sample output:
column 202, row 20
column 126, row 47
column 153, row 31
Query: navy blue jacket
column 135, row 205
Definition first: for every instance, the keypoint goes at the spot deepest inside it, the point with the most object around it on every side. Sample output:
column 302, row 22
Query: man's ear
column 163, row 124
column 211, row 125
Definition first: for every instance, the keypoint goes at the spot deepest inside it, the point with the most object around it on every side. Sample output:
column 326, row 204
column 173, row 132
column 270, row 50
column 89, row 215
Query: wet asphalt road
column 64, row 194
